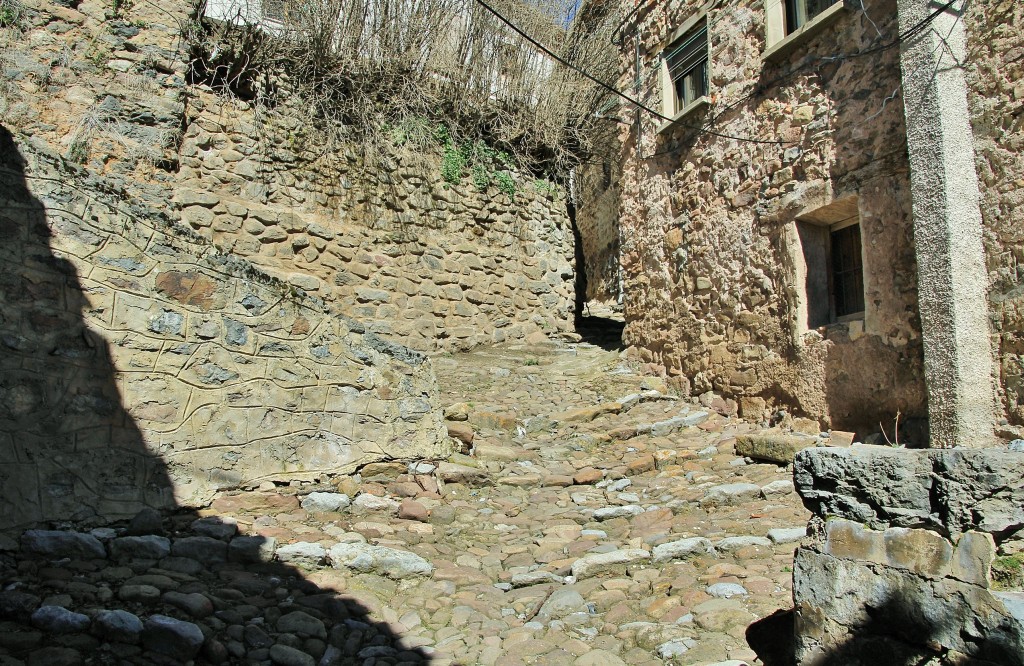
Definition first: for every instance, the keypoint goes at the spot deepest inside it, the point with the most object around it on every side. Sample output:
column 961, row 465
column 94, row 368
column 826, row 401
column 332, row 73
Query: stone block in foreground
column 953, row 490
column 898, row 569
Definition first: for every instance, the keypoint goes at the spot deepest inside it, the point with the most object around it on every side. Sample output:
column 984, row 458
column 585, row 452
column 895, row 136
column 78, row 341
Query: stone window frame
column 666, row 85
column 779, row 44
column 813, row 232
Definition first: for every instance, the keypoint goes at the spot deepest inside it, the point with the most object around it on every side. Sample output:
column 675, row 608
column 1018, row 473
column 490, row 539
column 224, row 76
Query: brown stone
column 586, row 414
column 587, row 475
column 187, row 287
column 461, row 432
column 410, row 509
column 642, row 464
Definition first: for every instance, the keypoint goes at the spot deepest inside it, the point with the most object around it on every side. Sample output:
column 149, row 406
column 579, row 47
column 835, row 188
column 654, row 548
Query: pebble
column 58, row 620
column 172, row 637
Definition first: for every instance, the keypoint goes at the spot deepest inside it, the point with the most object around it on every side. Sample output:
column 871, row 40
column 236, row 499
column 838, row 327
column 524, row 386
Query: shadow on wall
column 68, row 447
column 193, row 589
column 899, row 632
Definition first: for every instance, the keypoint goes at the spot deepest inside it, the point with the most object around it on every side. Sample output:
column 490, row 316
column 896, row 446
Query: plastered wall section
column 141, row 367
column 995, row 76
column 715, row 292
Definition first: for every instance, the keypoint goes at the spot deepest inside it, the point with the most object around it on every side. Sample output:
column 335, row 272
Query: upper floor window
column 686, row 70
column 800, row 12
column 790, row 23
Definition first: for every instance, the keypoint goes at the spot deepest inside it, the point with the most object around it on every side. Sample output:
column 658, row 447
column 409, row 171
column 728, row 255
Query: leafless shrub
column 418, row 72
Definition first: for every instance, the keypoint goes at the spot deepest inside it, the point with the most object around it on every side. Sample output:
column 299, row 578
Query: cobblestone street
column 598, row 521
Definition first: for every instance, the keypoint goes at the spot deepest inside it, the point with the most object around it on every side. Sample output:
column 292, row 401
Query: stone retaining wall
column 377, row 233
column 141, row 366
column 900, row 569
column 436, row 265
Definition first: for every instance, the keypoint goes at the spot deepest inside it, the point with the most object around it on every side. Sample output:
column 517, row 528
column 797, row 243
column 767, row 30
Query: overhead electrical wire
column 903, row 36
column 635, row 102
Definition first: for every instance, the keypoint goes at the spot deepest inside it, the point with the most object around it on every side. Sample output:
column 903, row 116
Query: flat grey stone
column 787, row 534
column 534, row 578
column 381, row 560
column 597, row 563
column 59, row 544
column 626, row 511
column 149, row 547
column 320, row 502
column 680, row 549
column 563, row 601
column 58, row 620
column 304, row 553
column 730, row 494
column 735, row 543
column 780, row 487
column 367, row 502
column 726, row 590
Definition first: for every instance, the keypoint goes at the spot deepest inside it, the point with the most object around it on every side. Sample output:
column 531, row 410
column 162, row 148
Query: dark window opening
column 847, row 271
column 834, row 287
column 687, row 61
column 800, row 12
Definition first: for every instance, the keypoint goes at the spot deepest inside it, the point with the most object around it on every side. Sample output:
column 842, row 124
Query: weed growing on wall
column 389, row 71
column 11, row 13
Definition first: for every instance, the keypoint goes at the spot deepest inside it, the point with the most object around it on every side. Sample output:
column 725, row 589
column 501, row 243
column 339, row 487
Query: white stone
column 389, row 562
column 302, row 552
column 735, row 543
column 609, row 512
column 682, row 548
column 787, row 534
column 596, row 563
column 320, row 502
column 726, row 590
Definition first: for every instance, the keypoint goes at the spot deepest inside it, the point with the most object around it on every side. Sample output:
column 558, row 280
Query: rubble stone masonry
column 716, row 272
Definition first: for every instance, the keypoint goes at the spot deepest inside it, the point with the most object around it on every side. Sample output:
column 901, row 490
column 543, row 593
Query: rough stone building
column 800, row 221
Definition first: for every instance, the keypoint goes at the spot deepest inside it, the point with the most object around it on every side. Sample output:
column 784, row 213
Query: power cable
column 614, row 91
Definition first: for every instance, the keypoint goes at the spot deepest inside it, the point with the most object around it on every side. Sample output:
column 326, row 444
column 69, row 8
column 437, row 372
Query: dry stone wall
column 376, row 233
column 140, row 366
column 715, row 294
column 438, row 266
column 995, row 74
column 904, row 564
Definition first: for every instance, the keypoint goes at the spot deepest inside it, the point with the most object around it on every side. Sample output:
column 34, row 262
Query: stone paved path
column 598, row 522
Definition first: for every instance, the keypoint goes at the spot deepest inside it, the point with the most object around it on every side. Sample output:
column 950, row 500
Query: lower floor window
column 834, row 287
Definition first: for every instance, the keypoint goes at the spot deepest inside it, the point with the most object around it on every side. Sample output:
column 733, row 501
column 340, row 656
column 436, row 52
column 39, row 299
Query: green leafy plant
column 118, row 6
column 505, row 183
column 10, row 13
column 453, row 161
column 1008, row 572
